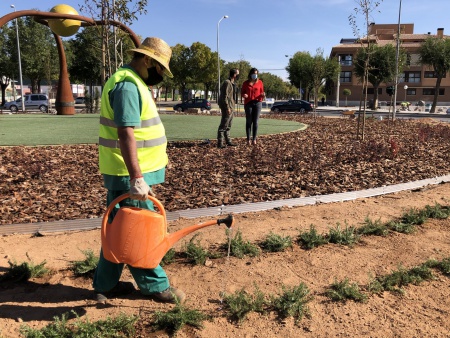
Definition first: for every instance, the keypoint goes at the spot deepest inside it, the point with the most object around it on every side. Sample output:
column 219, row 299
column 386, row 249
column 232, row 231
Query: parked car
column 31, row 101
column 79, row 99
column 203, row 104
column 300, row 106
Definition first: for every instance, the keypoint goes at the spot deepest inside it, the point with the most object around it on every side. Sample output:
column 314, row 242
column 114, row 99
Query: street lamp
column 218, row 55
column 20, row 63
column 405, row 88
column 396, row 60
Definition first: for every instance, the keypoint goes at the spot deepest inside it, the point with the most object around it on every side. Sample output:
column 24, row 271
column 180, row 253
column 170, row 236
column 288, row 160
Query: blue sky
column 262, row 31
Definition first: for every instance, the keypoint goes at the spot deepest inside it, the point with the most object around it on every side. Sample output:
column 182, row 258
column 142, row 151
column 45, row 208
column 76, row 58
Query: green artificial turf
column 44, row 129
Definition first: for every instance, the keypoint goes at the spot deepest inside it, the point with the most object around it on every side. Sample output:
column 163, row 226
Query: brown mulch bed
column 52, row 183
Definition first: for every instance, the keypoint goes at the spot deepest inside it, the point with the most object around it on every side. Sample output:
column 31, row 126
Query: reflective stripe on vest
column 144, row 123
column 150, row 136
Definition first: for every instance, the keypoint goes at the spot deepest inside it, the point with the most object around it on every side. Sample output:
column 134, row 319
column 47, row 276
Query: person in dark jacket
column 226, row 105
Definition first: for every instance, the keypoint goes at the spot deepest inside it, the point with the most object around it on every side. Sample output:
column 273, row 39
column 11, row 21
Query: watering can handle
column 111, row 206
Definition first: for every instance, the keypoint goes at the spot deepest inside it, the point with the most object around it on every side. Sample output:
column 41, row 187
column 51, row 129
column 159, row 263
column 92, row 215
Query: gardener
column 132, row 158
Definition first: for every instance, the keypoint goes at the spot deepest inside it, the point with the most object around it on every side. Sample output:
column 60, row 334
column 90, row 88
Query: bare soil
column 61, row 183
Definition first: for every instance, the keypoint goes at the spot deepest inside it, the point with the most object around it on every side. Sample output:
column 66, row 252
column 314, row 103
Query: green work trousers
column 107, row 274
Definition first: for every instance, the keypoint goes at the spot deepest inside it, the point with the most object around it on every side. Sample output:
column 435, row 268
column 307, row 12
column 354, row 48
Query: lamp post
column 405, row 88
column 218, row 55
column 20, row 63
column 396, row 60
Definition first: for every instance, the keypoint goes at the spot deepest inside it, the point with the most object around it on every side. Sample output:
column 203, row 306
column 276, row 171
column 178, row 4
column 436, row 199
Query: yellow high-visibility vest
column 150, row 136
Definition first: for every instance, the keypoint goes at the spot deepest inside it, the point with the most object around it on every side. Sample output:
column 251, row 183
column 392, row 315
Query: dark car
column 79, row 100
column 300, row 106
column 203, row 104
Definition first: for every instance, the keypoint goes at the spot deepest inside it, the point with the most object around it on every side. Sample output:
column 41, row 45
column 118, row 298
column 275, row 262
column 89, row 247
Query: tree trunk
column 436, row 93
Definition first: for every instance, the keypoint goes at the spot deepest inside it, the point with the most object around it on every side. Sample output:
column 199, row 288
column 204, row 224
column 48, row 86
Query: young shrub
column 404, row 228
column 168, row 258
column 241, row 248
column 443, row 266
column 173, row 320
column 24, row 271
column 239, row 304
column 87, row 266
column 400, row 278
column 413, row 217
column 347, row 236
column 195, row 253
column 437, row 211
column 311, row 239
column 276, row 243
column 341, row 291
column 373, row 228
column 121, row 326
column 293, row 302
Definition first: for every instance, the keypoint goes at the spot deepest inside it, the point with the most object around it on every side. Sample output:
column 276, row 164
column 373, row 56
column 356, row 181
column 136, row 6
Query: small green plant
column 121, row 326
column 341, row 291
column 400, row 278
column 276, row 243
column 173, row 320
column 87, row 266
column 293, row 302
column 443, row 266
column 347, row 236
column 241, row 248
column 437, row 211
column 413, row 217
column 241, row 303
column 24, row 271
column 373, row 228
column 404, row 228
column 168, row 258
column 311, row 239
column 195, row 253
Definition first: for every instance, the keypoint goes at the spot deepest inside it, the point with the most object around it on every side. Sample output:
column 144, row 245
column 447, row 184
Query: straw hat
column 157, row 49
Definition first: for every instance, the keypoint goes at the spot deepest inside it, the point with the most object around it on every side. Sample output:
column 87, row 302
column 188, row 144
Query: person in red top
column 253, row 93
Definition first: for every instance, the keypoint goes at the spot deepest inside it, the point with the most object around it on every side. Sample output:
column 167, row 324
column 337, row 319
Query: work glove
column 140, row 189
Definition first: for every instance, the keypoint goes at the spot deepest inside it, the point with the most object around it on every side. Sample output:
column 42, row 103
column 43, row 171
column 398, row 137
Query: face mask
column 153, row 77
column 236, row 78
column 254, row 76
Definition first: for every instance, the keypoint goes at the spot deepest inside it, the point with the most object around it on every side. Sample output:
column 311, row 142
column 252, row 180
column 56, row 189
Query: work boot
column 220, row 139
column 228, row 139
column 121, row 289
column 169, row 295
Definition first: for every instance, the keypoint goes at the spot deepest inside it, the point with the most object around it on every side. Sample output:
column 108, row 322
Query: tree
column 203, row 66
column 346, row 92
column 6, row 67
column 298, row 68
column 380, row 62
column 37, row 49
column 181, row 67
column 124, row 11
column 435, row 52
column 274, row 86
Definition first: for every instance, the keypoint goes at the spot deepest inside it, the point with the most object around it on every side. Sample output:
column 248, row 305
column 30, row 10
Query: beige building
column 418, row 80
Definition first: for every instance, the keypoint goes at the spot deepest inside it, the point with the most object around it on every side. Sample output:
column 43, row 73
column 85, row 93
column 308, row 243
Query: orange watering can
column 139, row 237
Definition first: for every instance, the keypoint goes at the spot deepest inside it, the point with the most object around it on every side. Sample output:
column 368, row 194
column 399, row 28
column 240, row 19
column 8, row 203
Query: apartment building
column 416, row 83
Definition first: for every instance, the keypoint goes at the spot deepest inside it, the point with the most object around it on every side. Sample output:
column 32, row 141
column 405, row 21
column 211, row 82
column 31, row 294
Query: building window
column 412, row 77
column 431, row 74
column 371, row 91
column 346, row 77
column 408, row 59
column 346, row 59
column 431, row 91
column 411, row 91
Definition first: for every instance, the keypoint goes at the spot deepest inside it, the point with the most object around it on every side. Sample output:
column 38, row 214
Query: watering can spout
column 139, row 238
column 176, row 236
